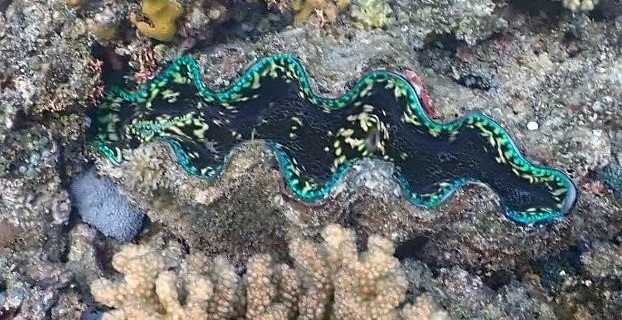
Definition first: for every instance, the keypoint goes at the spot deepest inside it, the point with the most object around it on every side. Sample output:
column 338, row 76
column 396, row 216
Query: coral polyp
column 317, row 139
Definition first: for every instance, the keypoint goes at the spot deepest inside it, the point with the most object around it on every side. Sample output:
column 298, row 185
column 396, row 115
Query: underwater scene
column 310, row 159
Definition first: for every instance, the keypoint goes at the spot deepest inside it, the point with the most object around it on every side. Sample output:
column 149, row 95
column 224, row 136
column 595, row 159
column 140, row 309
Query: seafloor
column 82, row 238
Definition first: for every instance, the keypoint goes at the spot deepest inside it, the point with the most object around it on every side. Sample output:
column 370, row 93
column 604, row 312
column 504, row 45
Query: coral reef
column 326, row 9
column 148, row 170
column 75, row 3
column 328, row 280
column 546, row 73
column 602, row 282
column 371, row 13
column 32, row 286
column 32, row 199
column 162, row 15
column 44, row 52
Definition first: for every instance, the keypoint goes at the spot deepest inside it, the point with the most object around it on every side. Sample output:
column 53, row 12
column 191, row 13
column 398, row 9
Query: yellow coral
column 162, row 14
column 328, row 281
column 327, row 8
column 371, row 13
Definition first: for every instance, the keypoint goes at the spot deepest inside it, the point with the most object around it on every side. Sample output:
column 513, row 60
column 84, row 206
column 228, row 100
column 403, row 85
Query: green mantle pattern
column 317, row 139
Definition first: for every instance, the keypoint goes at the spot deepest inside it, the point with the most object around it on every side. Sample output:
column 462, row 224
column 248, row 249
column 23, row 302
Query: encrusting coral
column 328, row 8
column 162, row 14
column 371, row 13
column 327, row 281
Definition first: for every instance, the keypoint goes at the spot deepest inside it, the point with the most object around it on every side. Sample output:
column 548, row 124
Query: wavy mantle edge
column 320, row 194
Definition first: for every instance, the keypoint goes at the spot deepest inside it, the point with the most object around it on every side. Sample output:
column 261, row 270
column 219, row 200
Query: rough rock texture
column 470, row 297
column 468, row 21
column 45, row 49
column 523, row 87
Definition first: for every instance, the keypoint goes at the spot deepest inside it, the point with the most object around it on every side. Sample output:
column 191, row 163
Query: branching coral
column 327, row 8
column 272, row 292
column 150, row 290
column 579, row 5
column 162, row 14
column 370, row 286
column 327, row 281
